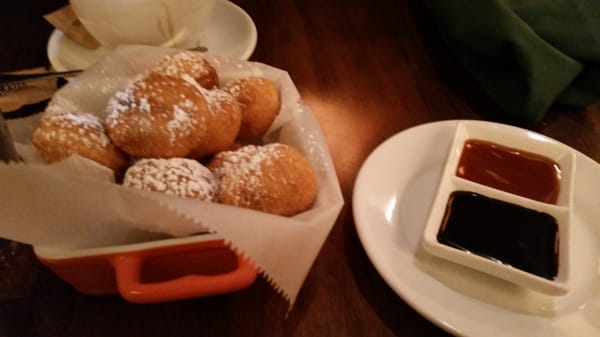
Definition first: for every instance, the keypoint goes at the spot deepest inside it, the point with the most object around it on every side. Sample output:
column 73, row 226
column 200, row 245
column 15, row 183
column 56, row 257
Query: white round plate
column 231, row 33
column 392, row 196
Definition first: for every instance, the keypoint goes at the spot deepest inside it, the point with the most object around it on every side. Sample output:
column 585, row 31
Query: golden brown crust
column 274, row 178
column 260, row 101
column 169, row 121
column 157, row 116
column 223, row 124
column 58, row 136
column 190, row 64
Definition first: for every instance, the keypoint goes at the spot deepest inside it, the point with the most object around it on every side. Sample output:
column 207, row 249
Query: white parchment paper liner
column 57, row 207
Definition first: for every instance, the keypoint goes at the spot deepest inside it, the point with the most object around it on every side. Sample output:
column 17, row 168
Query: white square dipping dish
column 527, row 143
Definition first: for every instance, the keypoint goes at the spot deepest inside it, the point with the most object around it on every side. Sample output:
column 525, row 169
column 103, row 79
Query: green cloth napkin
column 526, row 54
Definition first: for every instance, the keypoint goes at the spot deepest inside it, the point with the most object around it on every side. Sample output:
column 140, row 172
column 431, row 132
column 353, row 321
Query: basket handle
column 128, row 268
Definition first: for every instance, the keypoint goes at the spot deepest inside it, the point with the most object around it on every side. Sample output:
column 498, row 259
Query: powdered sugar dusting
column 175, row 176
column 139, row 96
column 181, row 120
column 183, row 63
column 144, row 104
column 213, row 97
column 244, row 167
column 235, row 88
column 86, row 129
column 125, row 100
column 238, row 86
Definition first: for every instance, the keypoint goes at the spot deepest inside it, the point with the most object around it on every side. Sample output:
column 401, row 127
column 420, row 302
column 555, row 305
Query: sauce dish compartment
column 463, row 204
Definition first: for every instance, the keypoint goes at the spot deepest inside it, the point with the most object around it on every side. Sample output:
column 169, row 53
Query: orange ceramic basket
column 156, row 271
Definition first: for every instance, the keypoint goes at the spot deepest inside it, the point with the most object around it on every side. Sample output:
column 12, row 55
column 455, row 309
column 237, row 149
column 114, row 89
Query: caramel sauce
column 512, row 170
column 507, row 233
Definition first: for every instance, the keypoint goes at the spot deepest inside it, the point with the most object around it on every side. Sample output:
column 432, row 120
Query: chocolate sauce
column 512, row 170
column 510, row 234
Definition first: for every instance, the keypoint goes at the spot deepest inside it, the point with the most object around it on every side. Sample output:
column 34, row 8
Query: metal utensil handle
column 17, row 78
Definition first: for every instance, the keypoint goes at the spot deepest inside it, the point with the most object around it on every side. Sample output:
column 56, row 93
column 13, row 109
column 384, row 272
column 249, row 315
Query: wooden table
column 368, row 69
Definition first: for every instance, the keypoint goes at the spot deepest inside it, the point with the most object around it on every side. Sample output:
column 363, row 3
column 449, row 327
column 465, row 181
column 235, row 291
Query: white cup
column 170, row 23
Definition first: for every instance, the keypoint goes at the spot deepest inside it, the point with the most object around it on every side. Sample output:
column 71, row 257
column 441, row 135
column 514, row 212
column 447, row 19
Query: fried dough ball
column 223, row 123
column 190, row 64
column 260, row 103
column 274, row 178
column 56, row 137
column 157, row 116
column 174, row 176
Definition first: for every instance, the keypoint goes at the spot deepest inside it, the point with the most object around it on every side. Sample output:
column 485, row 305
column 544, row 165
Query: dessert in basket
column 187, row 143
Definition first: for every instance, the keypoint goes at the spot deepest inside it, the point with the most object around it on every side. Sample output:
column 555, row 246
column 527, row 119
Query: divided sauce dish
column 483, row 218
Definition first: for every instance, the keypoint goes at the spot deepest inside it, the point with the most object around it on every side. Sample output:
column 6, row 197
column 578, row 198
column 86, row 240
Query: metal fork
column 12, row 82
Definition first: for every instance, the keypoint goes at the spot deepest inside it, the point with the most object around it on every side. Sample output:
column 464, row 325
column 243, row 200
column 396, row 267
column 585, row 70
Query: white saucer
column 392, row 196
column 231, row 33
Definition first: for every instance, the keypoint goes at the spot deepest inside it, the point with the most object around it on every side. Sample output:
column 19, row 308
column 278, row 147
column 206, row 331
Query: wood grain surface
column 367, row 69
